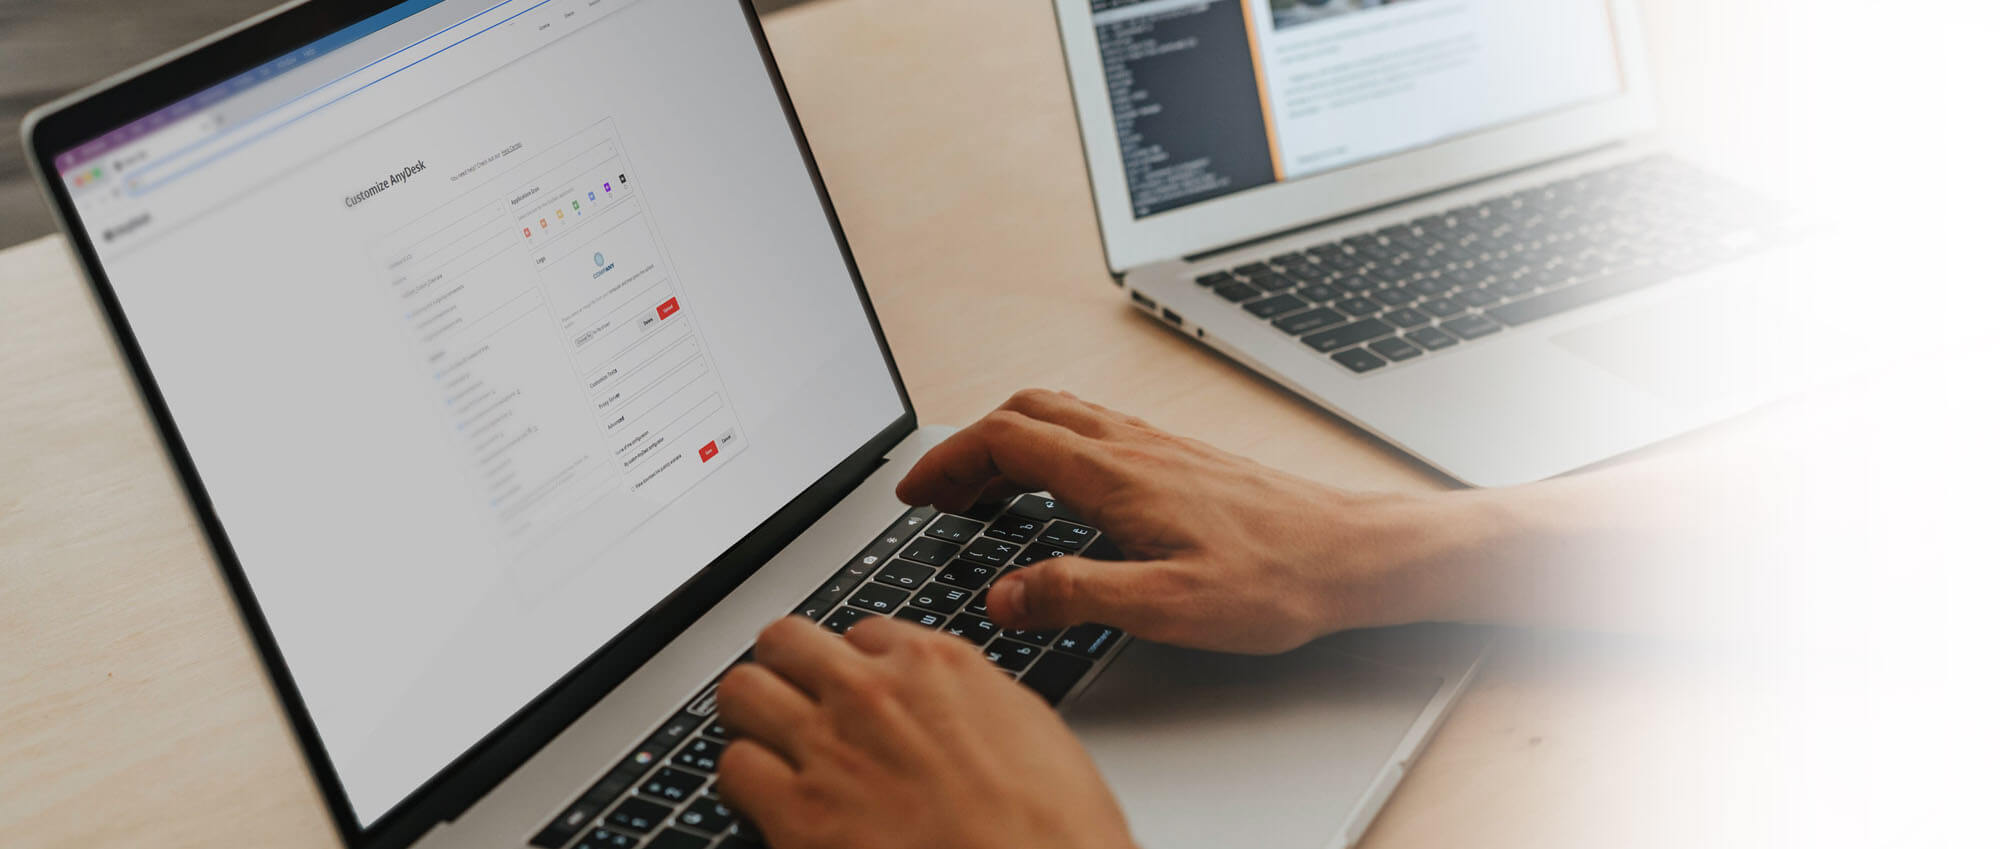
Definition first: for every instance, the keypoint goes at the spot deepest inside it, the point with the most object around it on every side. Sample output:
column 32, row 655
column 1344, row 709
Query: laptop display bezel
column 1253, row 213
column 91, row 113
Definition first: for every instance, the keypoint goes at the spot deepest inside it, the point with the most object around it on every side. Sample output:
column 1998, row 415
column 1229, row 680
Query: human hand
column 901, row 738
column 1224, row 554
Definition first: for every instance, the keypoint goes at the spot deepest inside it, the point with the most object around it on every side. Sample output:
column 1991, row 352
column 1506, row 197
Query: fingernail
column 1009, row 596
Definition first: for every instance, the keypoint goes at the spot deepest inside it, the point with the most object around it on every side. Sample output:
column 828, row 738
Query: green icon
column 575, row 206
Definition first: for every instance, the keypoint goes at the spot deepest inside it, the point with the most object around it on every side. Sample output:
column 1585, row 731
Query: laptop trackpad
column 1210, row 750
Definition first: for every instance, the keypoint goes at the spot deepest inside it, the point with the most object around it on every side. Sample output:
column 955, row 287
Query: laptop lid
column 494, row 341
column 1208, row 123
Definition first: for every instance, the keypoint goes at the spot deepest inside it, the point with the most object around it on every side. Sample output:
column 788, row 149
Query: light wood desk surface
column 133, row 711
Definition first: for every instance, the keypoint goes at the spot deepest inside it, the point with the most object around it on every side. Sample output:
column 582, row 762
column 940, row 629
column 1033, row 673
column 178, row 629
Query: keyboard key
column 1358, row 360
column 843, row 619
column 1477, row 297
column 1054, row 674
column 706, row 814
column 1349, row 334
column 989, row 550
column 1395, row 349
column 1441, row 307
column 1318, row 293
column 1271, row 283
column 1395, row 297
column 1068, row 535
column 1309, row 321
column 977, row 606
column 1237, row 292
column 1210, row 281
column 814, row 610
column 930, row 551
column 938, row 598
column 1010, row 655
column 672, row 784
column 977, row 629
column 742, row 835
column 1406, row 318
column 1358, row 307
column 1037, row 507
column 1090, row 640
column 1274, row 306
column 604, row 838
column 1037, row 553
column 953, row 529
column 1103, row 549
column 1472, row 326
column 878, row 598
column 1431, row 338
column 967, row 574
column 699, row 755
column 1015, row 529
column 922, row 617
column 638, row 815
column 674, row 839
column 1040, row 638
column 1577, row 296
column 903, row 573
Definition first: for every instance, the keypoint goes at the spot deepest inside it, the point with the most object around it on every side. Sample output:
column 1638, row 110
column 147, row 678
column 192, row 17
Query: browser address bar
column 204, row 151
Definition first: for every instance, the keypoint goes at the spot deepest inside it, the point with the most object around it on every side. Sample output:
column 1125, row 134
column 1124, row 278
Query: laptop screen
column 487, row 324
column 1214, row 97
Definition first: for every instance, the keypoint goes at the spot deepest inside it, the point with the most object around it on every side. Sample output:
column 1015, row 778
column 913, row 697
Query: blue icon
column 593, row 195
column 599, row 257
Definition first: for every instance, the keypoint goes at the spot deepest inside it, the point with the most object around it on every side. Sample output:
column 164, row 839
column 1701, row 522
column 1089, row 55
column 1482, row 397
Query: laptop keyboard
column 928, row 568
column 1414, row 289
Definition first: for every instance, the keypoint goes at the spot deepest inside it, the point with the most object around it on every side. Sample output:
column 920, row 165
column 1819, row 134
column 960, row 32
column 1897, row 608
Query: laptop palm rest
column 1210, row 750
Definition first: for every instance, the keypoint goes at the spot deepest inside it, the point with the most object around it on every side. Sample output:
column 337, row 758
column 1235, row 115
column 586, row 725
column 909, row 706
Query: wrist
column 1398, row 559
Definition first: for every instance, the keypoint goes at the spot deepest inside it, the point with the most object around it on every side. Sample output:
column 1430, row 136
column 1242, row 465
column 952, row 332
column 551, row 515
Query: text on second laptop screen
column 486, row 324
column 1213, row 97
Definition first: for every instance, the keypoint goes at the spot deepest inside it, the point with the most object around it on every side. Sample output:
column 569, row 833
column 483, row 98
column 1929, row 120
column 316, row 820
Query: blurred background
column 49, row 48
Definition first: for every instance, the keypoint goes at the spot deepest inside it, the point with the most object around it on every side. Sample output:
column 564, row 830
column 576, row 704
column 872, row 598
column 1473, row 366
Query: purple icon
column 607, row 188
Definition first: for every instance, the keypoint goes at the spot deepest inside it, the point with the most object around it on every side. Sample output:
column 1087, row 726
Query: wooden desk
column 133, row 711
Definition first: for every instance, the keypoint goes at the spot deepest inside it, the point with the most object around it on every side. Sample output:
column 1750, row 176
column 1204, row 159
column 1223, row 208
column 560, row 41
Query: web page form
column 485, row 333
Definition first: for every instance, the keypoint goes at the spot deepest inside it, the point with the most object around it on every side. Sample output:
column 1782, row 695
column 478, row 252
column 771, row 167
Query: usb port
column 1142, row 300
column 1171, row 317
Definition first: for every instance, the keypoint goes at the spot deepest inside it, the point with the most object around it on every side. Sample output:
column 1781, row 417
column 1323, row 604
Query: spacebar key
column 1054, row 674
column 1580, row 295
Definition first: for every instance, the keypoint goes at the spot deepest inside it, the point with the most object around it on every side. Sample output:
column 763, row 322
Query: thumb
column 1073, row 590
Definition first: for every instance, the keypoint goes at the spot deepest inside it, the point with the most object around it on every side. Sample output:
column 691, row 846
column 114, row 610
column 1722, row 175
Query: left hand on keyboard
column 901, row 737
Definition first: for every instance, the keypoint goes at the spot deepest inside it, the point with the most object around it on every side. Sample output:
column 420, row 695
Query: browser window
column 487, row 325
column 1213, row 97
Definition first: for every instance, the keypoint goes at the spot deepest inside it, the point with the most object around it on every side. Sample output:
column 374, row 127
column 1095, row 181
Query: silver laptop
column 1444, row 220
column 517, row 369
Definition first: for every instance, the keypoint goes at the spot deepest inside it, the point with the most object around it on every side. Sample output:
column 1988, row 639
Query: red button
column 673, row 305
column 709, row 451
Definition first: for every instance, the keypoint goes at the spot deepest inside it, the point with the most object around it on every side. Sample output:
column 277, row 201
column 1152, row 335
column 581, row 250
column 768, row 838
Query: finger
column 754, row 780
column 1142, row 597
column 757, row 704
column 1111, row 414
column 1060, row 408
column 879, row 635
column 809, row 657
column 1012, row 446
